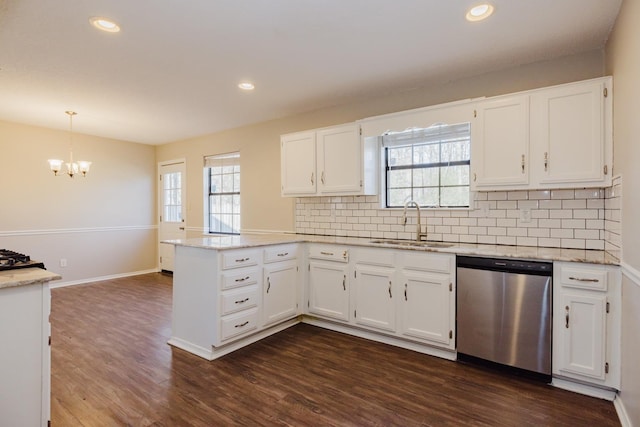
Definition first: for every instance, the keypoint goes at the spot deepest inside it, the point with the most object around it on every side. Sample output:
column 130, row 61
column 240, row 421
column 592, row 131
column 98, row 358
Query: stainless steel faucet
column 419, row 233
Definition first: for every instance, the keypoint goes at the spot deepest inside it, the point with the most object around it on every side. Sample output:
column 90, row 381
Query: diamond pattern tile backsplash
column 572, row 219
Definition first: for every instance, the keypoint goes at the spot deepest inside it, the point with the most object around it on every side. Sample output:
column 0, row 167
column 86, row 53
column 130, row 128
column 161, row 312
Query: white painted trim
column 213, row 353
column 625, row 421
column 101, row 278
column 76, row 230
column 572, row 385
column 631, row 273
column 374, row 336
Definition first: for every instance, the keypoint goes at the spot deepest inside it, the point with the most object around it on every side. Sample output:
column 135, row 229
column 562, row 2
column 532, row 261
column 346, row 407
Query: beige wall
column 104, row 224
column 262, row 206
column 623, row 61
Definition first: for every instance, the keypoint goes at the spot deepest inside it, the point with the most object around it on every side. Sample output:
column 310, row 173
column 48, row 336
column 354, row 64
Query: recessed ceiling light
column 105, row 24
column 479, row 12
column 246, row 86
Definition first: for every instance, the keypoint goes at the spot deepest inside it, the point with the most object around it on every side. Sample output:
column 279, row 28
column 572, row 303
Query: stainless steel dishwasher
column 504, row 312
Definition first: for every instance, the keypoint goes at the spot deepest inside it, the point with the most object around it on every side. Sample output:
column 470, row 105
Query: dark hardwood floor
column 111, row 366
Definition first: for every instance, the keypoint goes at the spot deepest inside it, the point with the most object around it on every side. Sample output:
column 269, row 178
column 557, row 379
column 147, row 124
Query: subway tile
column 588, row 193
column 587, row 234
column 468, row 239
column 528, row 204
column 480, row 195
column 595, row 244
column 585, row 214
column 469, row 222
column 531, row 224
column 451, row 221
column 478, row 230
column 574, row 204
column 539, row 213
column 550, row 204
column 574, row 223
column 507, row 204
column 560, row 214
column 390, row 235
column 539, row 195
column 443, row 229
column 561, row 233
column 594, row 224
column 517, row 232
column 487, row 222
column 527, row 241
column 506, row 222
column 487, row 240
column 595, row 204
column 496, row 231
column 498, row 213
column 450, row 238
column 460, row 230
column 364, row 220
column 549, row 243
column 497, row 195
column 573, row 243
column 549, row 223
column 539, row 232
column 517, row 195
column 506, row 240
column 562, row 194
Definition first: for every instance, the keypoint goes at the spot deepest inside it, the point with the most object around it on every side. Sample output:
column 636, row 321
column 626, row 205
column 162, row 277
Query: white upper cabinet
column 556, row 137
column 571, row 135
column 329, row 161
column 298, row 163
column 500, row 142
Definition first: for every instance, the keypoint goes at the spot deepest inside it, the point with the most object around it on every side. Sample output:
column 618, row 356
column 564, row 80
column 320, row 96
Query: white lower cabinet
column 280, row 284
column 374, row 304
column 586, row 323
column 329, row 289
column 280, row 296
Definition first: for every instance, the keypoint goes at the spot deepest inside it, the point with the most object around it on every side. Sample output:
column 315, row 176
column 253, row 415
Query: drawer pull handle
column 242, row 279
column 327, row 253
column 242, row 301
column 344, row 282
column 390, row 296
column 243, row 259
column 242, row 324
column 566, row 317
column 405, row 292
column 268, row 284
column 284, row 254
column 580, row 279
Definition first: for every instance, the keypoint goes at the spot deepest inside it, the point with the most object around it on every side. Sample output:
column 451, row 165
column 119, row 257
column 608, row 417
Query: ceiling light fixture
column 105, row 24
column 73, row 168
column 479, row 12
column 246, row 86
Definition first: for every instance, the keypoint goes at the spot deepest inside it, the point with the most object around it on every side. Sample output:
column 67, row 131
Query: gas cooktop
column 10, row 260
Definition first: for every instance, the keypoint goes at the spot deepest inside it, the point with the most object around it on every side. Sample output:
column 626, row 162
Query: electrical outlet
column 63, row 262
column 525, row 215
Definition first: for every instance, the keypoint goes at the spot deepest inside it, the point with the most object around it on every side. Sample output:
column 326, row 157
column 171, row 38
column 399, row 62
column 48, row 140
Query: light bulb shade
column 84, row 167
column 55, row 165
column 72, row 169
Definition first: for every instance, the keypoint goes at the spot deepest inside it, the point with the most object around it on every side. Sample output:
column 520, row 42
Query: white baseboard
column 600, row 393
column 54, row 285
column 625, row 421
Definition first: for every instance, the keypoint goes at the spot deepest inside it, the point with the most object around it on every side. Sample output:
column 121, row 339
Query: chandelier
column 73, row 168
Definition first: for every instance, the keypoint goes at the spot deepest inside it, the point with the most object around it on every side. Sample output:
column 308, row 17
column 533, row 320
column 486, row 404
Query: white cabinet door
column 340, row 158
column 329, row 289
column 500, row 143
column 568, row 135
column 298, row 163
column 583, row 334
column 425, row 307
column 374, row 293
column 280, row 292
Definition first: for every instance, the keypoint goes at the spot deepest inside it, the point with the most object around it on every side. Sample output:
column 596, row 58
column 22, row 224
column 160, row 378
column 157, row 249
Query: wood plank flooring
column 111, row 366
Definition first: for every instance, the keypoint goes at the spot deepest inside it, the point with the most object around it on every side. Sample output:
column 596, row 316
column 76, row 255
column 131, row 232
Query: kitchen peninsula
column 25, row 359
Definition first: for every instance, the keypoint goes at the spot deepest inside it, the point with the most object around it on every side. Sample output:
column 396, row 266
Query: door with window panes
column 172, row 211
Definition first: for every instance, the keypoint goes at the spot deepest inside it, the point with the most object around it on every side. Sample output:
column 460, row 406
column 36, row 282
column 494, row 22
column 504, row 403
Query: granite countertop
column 26, row 276
column 500, row 251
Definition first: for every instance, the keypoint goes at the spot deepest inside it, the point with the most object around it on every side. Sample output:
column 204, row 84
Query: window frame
column 386, row 168
column 208, row 167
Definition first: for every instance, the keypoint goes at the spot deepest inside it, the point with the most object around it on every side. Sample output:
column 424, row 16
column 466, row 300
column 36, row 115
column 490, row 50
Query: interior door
column 172, row 195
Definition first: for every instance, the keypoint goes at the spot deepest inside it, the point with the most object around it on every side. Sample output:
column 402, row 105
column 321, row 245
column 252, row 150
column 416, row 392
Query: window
column 429, row 166
column 222, row 174
column 172, row 197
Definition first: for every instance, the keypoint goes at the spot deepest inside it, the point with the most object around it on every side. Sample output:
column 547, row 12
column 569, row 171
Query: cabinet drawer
column 592, row 278
column 429, row 262
column 247, row 276
column 329, row 253
column 239, row 299
column 240, row 323
column 280, row 253
column 381, row 257
column 235, row 259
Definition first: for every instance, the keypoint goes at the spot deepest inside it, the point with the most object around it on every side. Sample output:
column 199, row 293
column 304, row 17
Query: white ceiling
column 171, row 73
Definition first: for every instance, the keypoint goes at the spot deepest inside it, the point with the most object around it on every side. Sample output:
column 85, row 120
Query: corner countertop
column 500, row 251
column 26, row 276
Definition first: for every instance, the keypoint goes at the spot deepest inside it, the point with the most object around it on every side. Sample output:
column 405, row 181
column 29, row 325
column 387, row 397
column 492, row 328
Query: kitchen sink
column 413, row 243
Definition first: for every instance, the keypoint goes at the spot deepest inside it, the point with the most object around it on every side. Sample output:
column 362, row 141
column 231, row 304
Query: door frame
column 159, row 198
